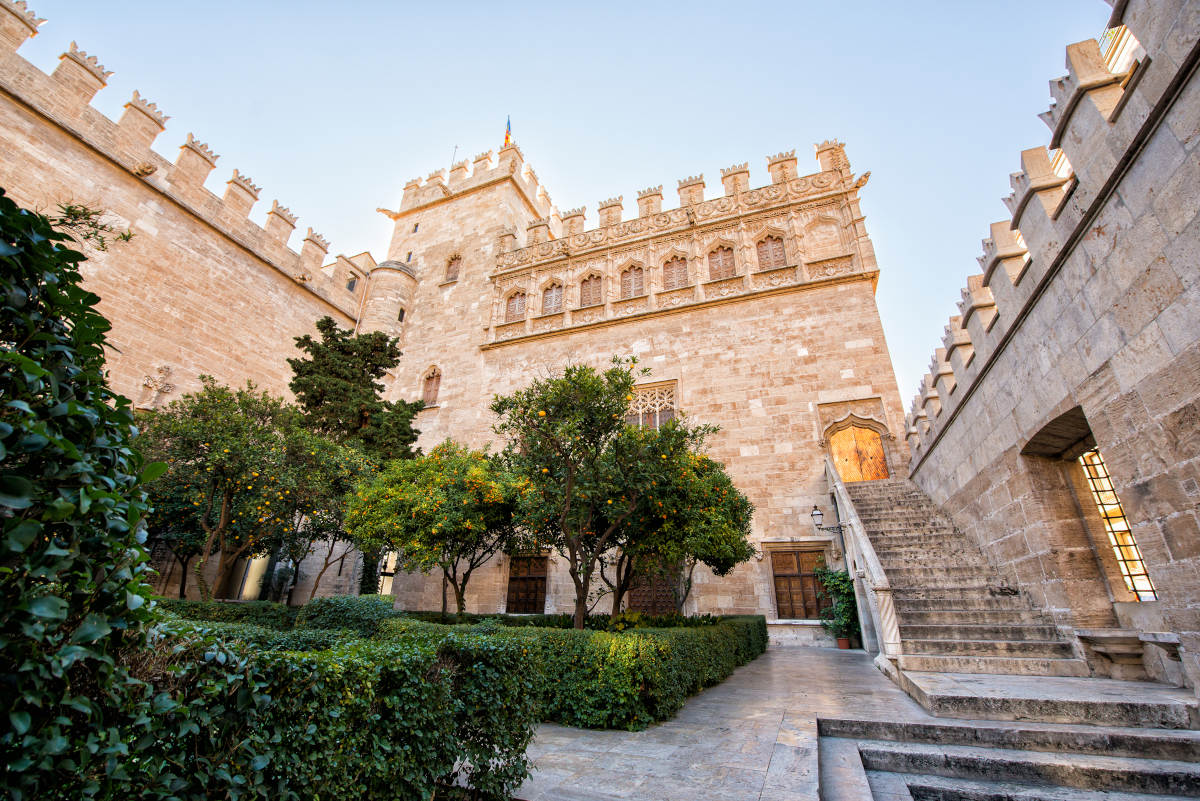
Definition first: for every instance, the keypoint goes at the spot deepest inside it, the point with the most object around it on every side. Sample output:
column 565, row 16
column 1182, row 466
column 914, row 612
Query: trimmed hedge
column 259, row 613
column 365, row 720
column 362, row 613
column 600, row 622
column 598, row 679
column 268, row 639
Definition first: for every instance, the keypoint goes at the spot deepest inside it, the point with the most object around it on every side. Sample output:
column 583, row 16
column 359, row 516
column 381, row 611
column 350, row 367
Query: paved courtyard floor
column 751, row 738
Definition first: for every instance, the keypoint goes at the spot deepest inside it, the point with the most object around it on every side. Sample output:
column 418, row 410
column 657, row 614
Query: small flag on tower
column 508, row 133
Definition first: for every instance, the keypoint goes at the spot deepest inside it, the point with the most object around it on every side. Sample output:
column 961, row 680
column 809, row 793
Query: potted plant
column 840, row 615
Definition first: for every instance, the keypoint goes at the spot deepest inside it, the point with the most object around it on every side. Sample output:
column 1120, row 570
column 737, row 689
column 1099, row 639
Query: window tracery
column 652, row 405
column 720, row 264
column 589, row 291
column 515, row 307
column 632, row 283
column 552, row 299
column 771, row 254
column 675, row 274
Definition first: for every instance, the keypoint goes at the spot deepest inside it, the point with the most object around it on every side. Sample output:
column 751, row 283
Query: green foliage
column 88, row 226
column 840, row 616
column 588, row 482
column 72, row 594
column 451, row 510
column 258, row 613
column 601, row 679
column 337, row 385
column 264, row 638
column 363, row 720
column 246, row 473
column 363, row 613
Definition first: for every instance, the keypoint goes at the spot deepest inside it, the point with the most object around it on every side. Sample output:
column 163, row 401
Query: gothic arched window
column 452, row 268
column 720, row 264
column 589, row 291
column 632, row 283
column 431, row 385
column 675, row 273
column 514, row 308
column 770, row 253
column 552, row 299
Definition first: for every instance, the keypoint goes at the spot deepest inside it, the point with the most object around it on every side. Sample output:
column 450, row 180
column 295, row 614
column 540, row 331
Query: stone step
column 1048, row 698
column 1028, row 649
column 947, row 617
column 952, row 597
column 971, row 631
column 1174, row 744
column 1083, row 771
column 999, row 665
column 922, row 787
column 958, row 575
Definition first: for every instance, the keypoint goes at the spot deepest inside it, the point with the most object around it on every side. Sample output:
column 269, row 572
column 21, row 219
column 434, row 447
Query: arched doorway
column 858, row 453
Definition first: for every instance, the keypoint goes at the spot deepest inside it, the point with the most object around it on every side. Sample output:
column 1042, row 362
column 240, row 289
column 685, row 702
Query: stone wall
column 200, row 288
column 773, row 357
column 1084, row 328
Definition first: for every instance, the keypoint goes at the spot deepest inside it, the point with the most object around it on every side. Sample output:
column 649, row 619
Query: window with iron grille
column 652, row 405
column 452, row 268
column 589, row 291
column 632, row 284
column 552, row 299
column 675, row 274
column 527, row 585
column 720, row 264
column 1120, row 537
column 770, row 253
column 515, row 307
column 433, row 382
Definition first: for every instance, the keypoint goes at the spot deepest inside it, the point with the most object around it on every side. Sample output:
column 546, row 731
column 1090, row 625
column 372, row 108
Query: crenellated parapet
column 793, row 232
column 63, row 98
column 487, row 168
column 1099, row 110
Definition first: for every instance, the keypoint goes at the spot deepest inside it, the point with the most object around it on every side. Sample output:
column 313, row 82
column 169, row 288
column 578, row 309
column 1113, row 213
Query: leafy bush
column 600, row 622
column 72, row 511
column 365, row 720
column 259, row 613
column 363, row 613
column 840, row 616
column 271, row 639
column 601, row 679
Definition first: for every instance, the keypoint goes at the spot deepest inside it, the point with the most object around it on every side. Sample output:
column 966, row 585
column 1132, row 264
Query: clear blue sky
column 330, row 106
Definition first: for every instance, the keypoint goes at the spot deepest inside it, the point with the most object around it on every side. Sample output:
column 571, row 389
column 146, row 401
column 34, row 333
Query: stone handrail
column 881, row 632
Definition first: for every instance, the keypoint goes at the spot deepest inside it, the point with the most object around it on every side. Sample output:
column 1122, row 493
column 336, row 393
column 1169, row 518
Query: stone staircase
column 982, row 761
column 954, row 611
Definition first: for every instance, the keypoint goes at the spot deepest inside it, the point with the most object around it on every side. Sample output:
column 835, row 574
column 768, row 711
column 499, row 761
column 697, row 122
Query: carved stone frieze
column 548, row 322
column 830, row 268
column 624, row 308
column 779, row 276
column 724, row 288
column 675, row 297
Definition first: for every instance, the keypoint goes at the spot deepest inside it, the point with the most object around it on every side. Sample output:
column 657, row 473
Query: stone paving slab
column 751, row 738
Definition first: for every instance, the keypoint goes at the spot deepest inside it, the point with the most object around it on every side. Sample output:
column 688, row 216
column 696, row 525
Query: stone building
column 1035, row 512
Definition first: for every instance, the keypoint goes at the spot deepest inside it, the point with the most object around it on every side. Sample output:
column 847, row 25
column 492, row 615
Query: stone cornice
column 805, row 189
column 758, row 294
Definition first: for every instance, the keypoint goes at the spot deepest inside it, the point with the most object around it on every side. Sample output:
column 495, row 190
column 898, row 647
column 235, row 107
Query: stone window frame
column 516, row 310
column 672, row 257
column 637, row 274
column 590, row 276
column 547, row 288
column 840, row 249
column 654, row 399
column 716, row 247
column 772, row 232
column 453, row 268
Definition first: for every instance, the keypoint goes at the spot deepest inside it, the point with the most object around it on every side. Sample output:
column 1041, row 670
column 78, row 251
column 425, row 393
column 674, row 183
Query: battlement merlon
column 240, row 195
column 649, row 201
column 691, row 190
column 17, row 23
column 736, row 178
column 487, row 169
column 63, row 98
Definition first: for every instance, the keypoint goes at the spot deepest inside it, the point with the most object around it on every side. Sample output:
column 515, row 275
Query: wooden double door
column 858, row 454
column 797, row 591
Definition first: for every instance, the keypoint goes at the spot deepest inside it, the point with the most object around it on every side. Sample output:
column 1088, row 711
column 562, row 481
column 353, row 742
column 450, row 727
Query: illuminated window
column 720, row 264
column 1129, row 556
column 515, row 307
column 675, row 274
column 552, row 299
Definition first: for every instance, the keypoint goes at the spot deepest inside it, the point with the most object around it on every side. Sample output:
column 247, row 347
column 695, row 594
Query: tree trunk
column 328, row 563
column 460, row 599
column 183, row 563
column 368, row 583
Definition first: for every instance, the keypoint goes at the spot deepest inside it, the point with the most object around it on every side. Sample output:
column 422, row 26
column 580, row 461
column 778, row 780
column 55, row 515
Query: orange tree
column 588, row 482
column 242, row 471
column 451, row 510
